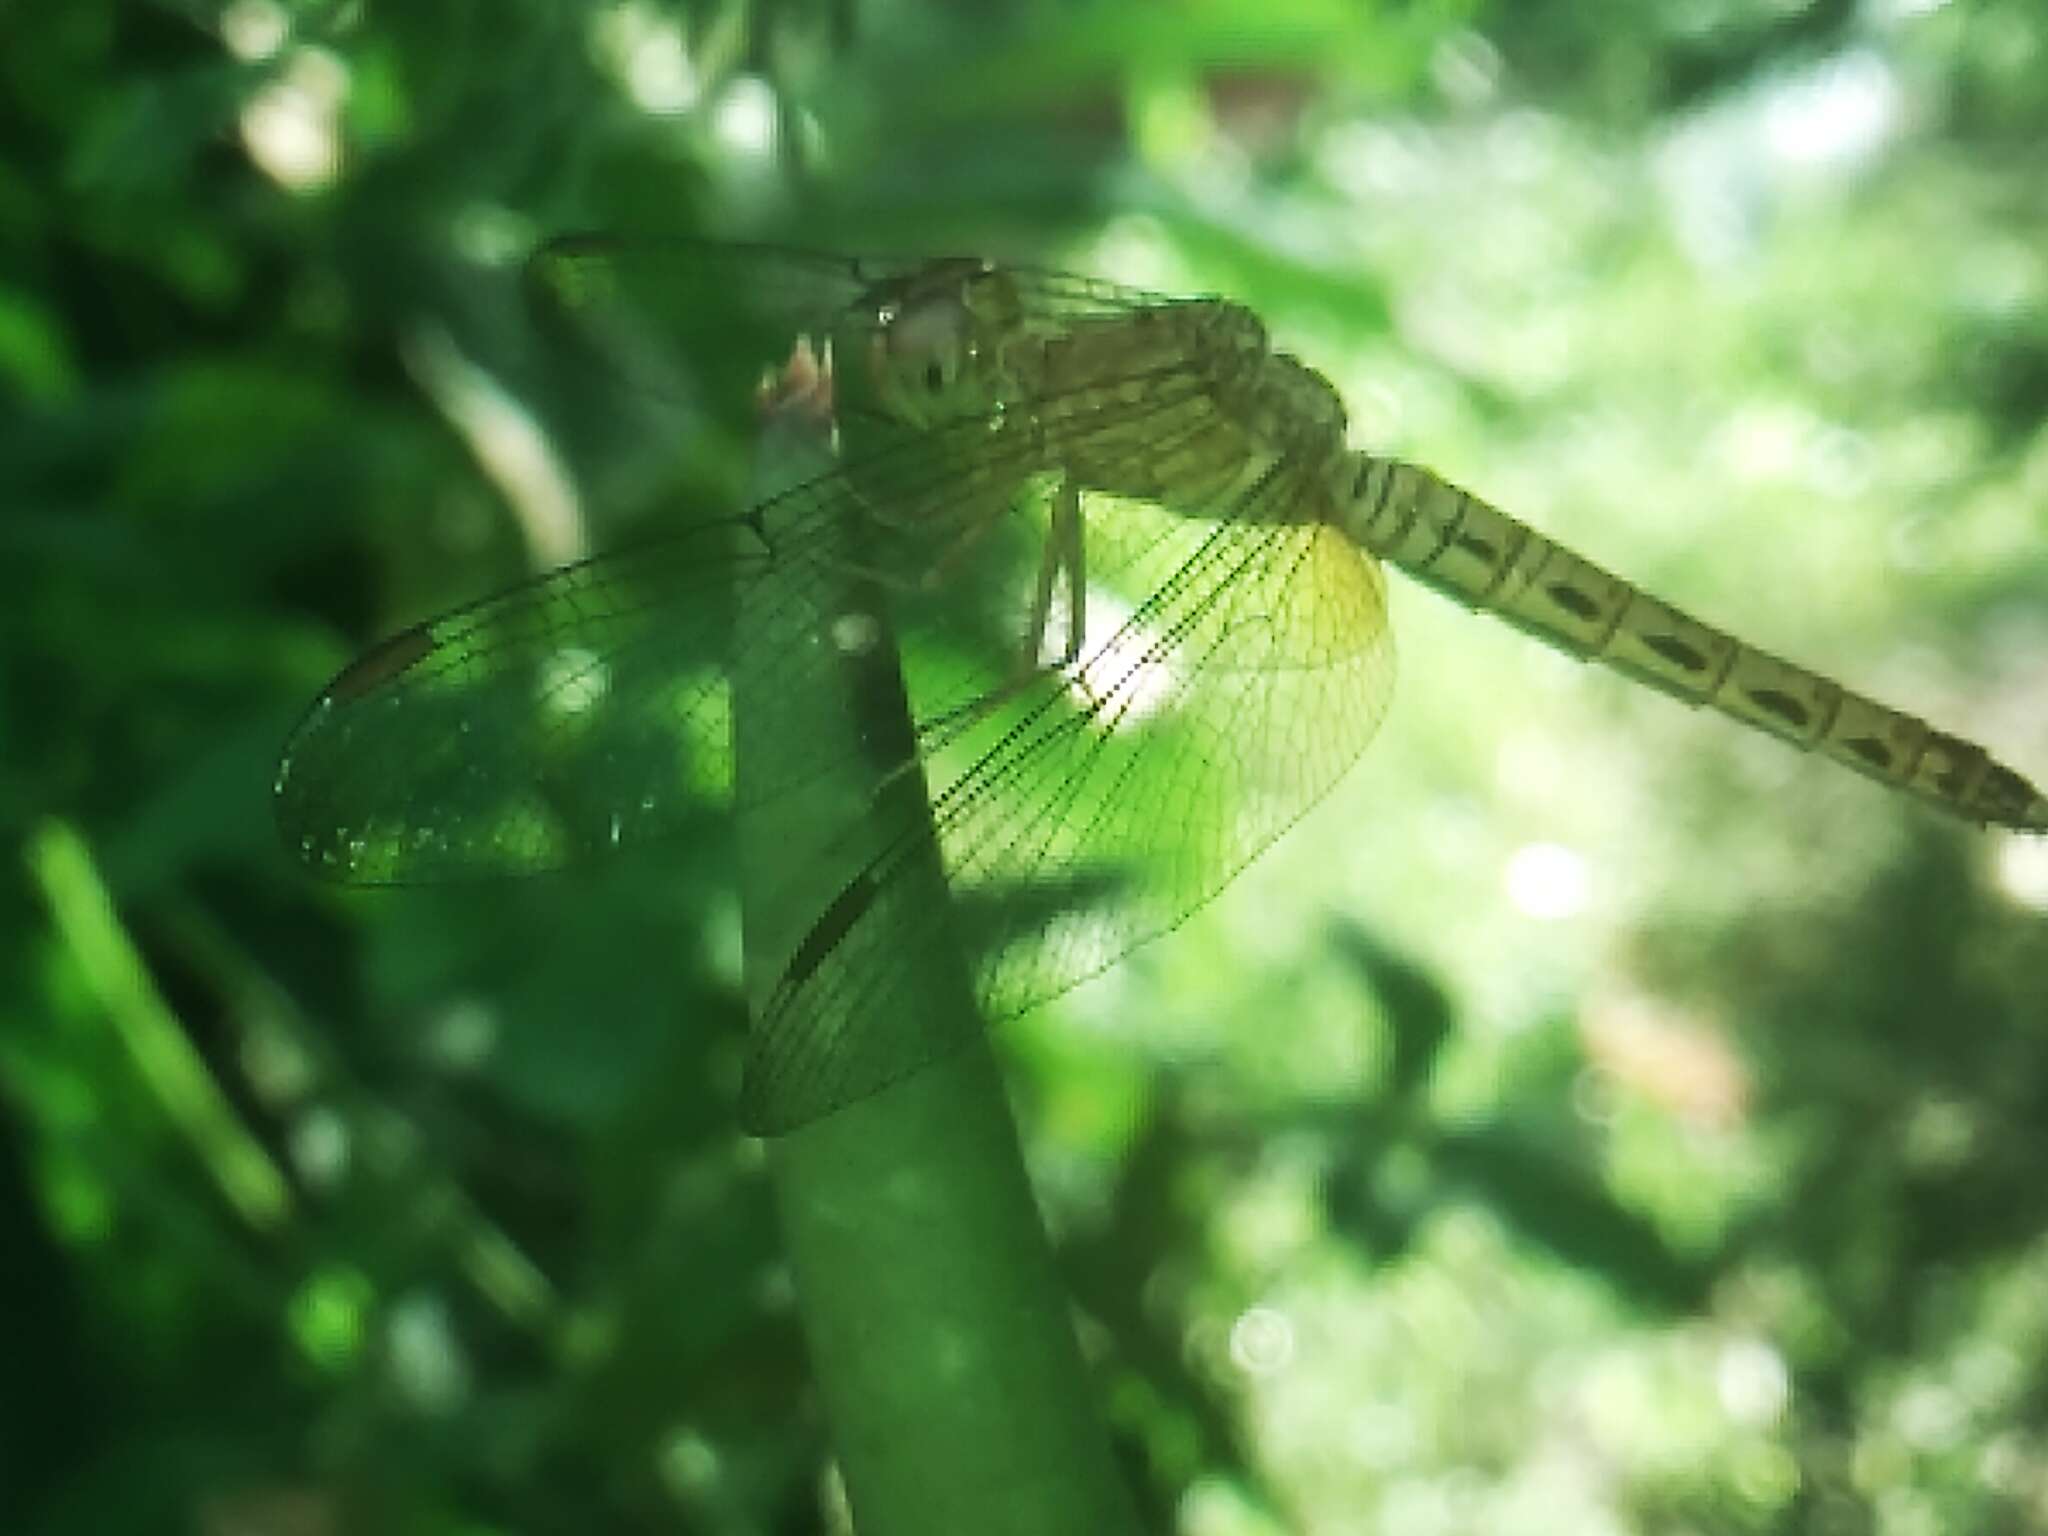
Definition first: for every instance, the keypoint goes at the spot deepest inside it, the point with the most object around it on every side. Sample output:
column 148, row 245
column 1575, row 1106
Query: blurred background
column 1594, row 1119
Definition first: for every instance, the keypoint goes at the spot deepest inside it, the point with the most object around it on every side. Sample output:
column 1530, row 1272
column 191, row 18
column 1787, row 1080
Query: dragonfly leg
column 1063, row 552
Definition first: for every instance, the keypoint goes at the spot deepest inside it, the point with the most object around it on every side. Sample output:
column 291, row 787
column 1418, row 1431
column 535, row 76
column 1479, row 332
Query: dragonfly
column 1135, row 575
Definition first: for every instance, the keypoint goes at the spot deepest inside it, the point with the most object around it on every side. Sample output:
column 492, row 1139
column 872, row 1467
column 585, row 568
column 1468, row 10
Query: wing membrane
column 588, row 709
column 1094, row 810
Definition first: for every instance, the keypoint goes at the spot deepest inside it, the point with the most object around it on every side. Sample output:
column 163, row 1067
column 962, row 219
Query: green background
column 1592, row 1119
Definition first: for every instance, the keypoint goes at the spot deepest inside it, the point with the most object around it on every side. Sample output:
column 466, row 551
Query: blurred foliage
column 1710, row 1206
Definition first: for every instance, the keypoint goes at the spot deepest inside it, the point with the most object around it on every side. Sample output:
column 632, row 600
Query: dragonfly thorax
column 1286, row 405
column 936, row 354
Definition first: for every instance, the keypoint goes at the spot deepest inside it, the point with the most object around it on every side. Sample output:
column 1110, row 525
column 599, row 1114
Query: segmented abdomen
column 1487, row 560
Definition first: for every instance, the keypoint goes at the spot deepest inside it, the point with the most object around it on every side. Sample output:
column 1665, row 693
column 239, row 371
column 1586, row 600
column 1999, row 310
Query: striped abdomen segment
column 1487, row 560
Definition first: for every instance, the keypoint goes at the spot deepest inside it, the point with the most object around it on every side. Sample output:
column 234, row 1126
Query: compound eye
column 934, row 377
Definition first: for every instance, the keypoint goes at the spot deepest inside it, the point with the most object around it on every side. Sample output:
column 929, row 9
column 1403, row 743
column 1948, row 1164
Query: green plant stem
column 938, row 1328
column 83, row 913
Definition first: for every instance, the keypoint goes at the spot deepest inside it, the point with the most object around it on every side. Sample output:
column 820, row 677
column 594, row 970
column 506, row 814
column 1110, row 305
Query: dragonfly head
column 932, row 356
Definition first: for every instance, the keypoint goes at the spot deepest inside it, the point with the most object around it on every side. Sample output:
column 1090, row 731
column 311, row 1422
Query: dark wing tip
column 378, row 665
column 301, row 809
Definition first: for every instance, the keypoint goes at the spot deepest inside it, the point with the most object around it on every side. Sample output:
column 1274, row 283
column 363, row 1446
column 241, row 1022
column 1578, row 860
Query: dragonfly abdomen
column 1487, row 560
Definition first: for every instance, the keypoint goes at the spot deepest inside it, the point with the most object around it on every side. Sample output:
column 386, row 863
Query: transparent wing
column 1097, row 808
column 589, row 709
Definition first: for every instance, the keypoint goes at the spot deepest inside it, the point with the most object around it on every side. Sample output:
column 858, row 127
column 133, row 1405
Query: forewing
column 567, row 716
column 589, row 709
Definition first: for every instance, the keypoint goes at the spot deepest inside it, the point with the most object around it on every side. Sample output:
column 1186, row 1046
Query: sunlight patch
column 573, row 682
column 292, row 126
column 1547, row 881
column 645, row 52
column 1124, row 680
column 2020, row 870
